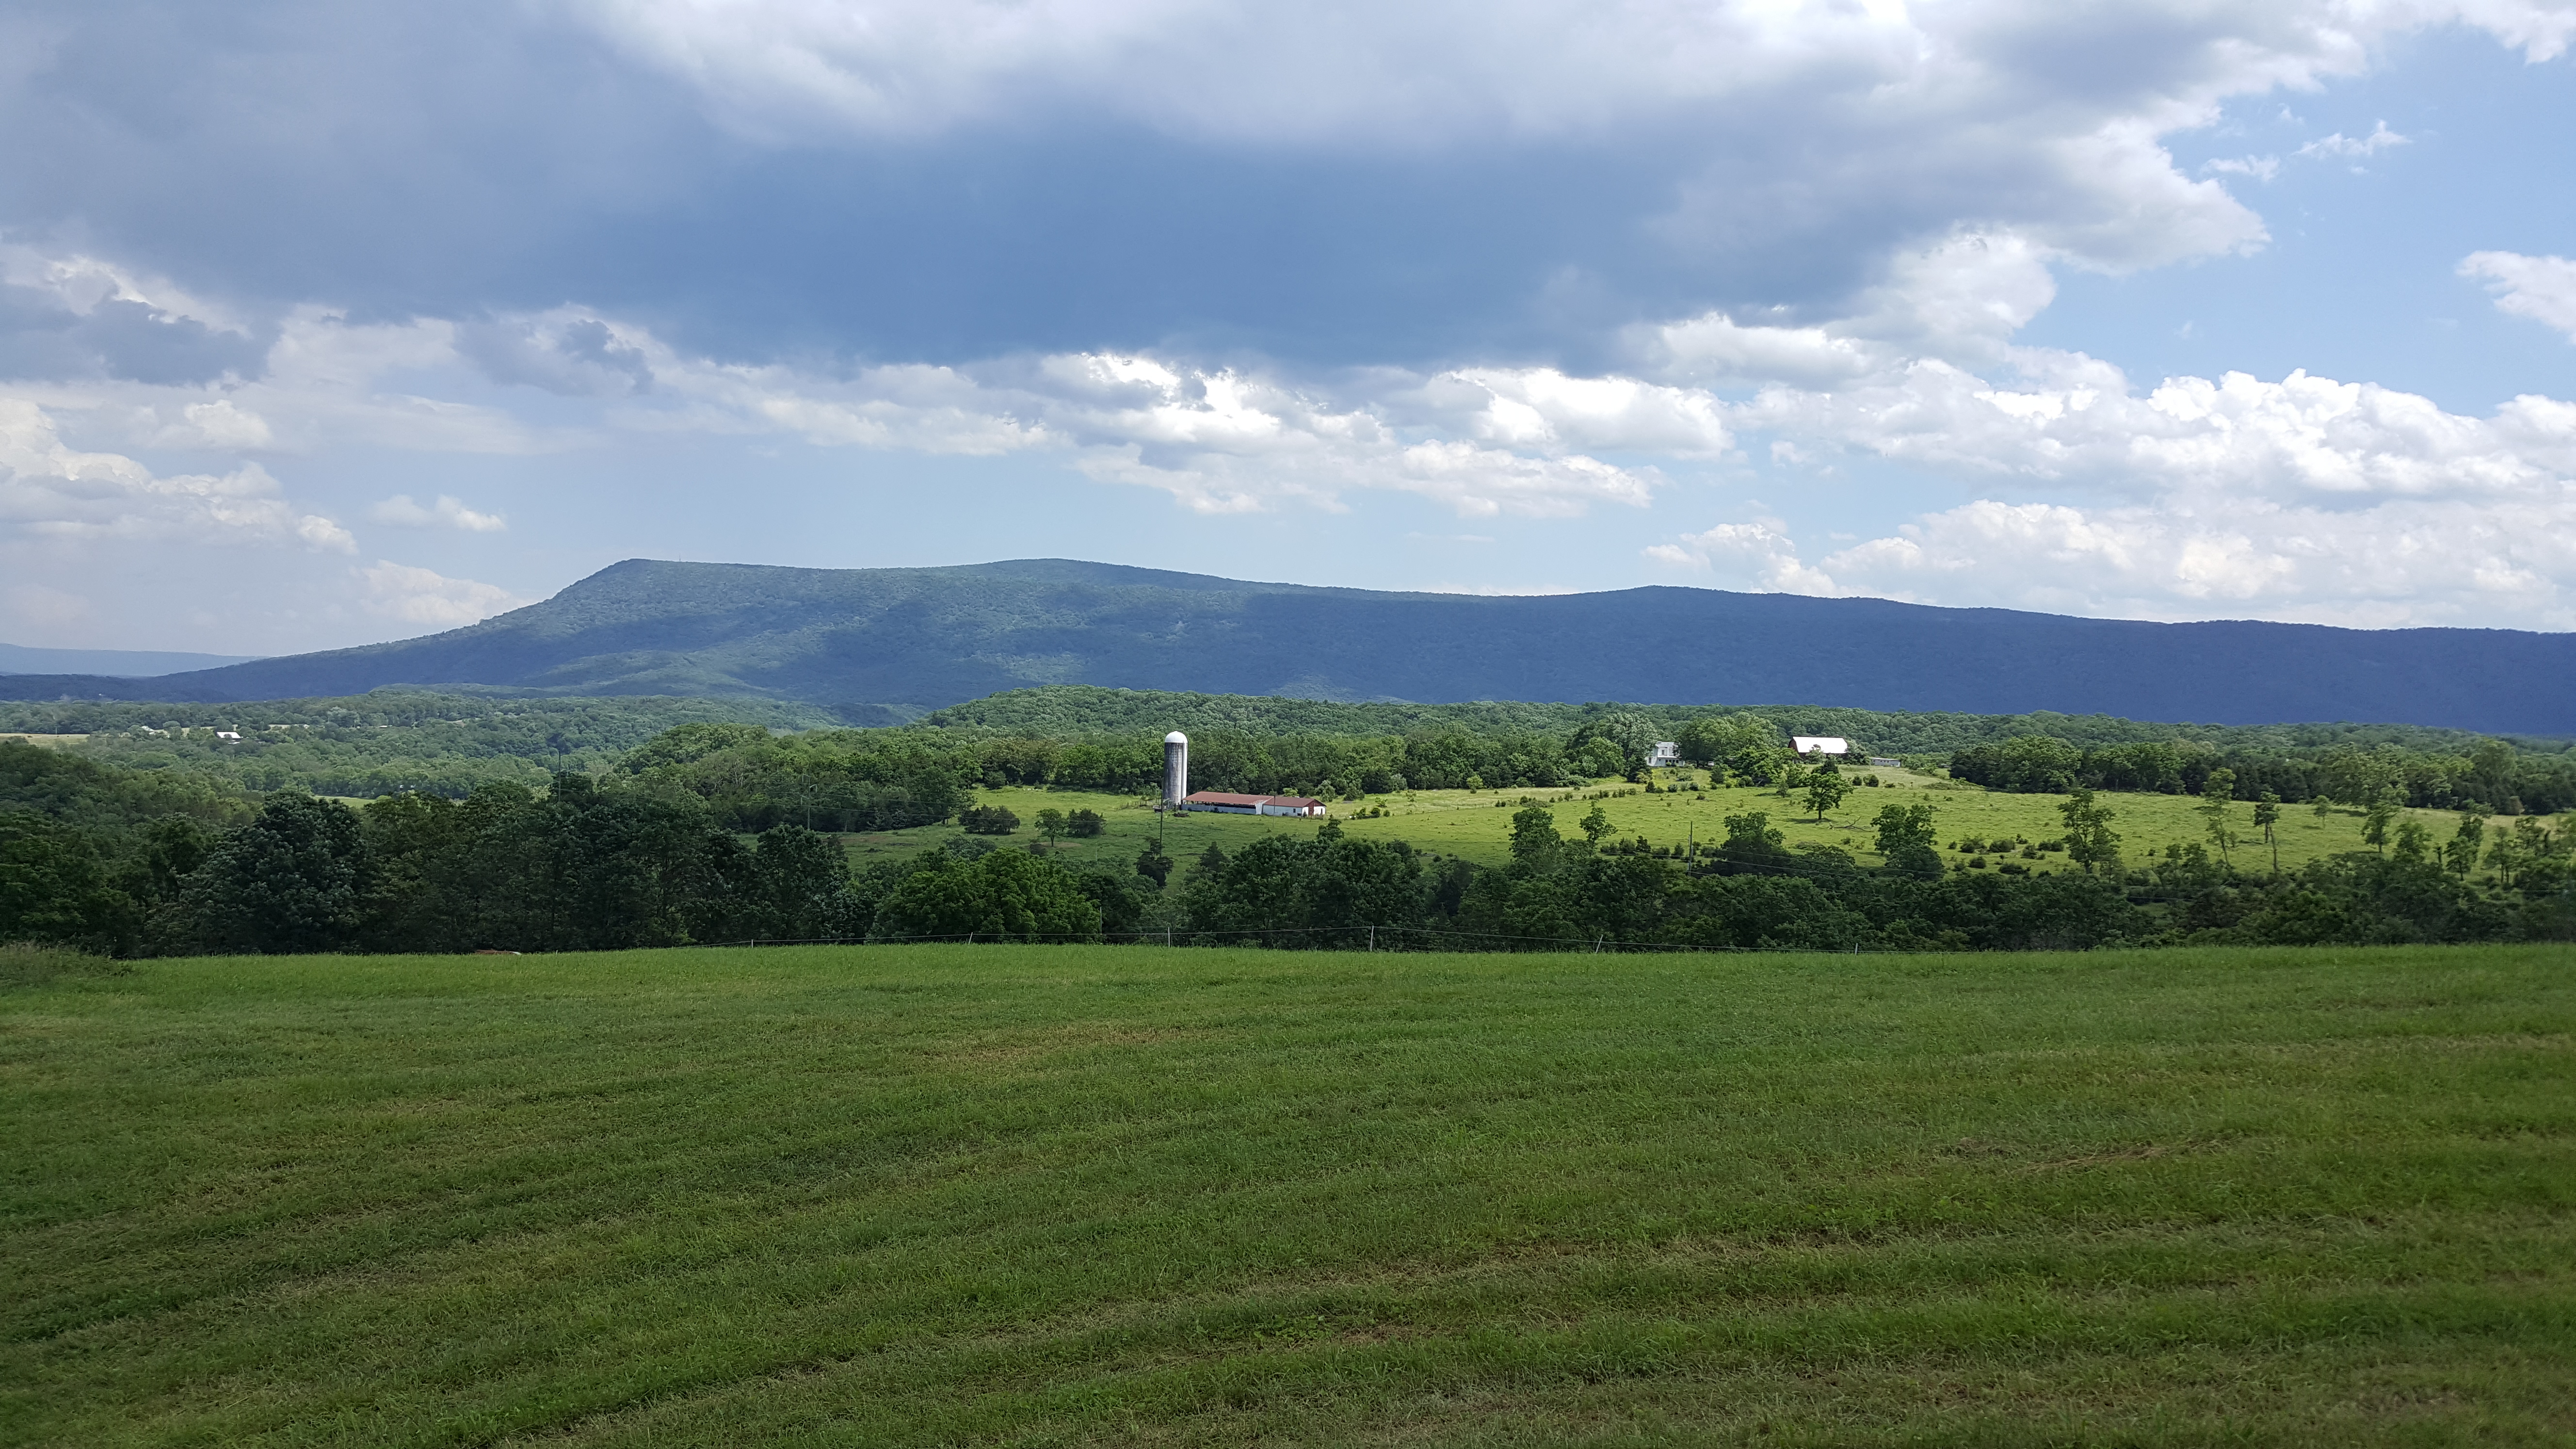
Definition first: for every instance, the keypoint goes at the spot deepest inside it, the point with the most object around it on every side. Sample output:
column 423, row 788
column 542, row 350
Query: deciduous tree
column 2090, row 840
column 1907, row 840
column 1825, row 789
column 2217, row 796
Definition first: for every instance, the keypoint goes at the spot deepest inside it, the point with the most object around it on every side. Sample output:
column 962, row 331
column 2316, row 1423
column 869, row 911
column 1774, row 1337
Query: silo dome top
column 1176, row 738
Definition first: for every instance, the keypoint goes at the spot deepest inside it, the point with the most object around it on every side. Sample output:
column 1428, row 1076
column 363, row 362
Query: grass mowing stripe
column 1054, row 1195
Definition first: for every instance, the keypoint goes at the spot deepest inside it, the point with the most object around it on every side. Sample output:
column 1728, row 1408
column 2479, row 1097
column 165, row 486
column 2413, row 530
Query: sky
column 323, row 324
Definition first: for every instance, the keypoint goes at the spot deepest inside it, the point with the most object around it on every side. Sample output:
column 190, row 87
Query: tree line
column 2490, row 775
column 140, row 865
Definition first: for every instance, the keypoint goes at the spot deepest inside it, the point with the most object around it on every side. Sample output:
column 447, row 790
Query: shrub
column 988, row 820
column 1085, row 822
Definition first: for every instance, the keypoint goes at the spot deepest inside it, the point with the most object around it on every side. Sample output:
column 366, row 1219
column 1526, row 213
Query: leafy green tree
column 2090, row 840
column 2376, row 817
column 2025, row 764
column 1051, row 824
column 2359, row 778
column 801, row 878
column 2508, row 856
column 2217, row 797
column 1826, row 789
column 1085, row 823
column 1596, row 825
column 1735, row 743
column 988, row 820
column 1327, row 891
column 1750, row 841
column 2461, row 852
column 55, row 887
column 2491, row 772
column 292, row 880
column 1008, row 895
column 689, row 743
column 1625, row 741
column 2267, row 814
column 1534, row 837
column 1154, row 864
column 2410, row 842
column 1906, row 838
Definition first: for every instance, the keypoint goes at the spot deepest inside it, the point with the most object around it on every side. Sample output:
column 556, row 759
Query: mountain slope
column 878, row 644
column 115, row 663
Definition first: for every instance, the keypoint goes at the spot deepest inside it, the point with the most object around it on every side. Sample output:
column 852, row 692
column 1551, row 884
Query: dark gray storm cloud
column 42, row 337
column 476, row 158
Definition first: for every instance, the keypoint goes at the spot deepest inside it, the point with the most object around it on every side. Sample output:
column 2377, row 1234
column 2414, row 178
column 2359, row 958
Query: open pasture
column 1031, row 1195
column 1470, row 826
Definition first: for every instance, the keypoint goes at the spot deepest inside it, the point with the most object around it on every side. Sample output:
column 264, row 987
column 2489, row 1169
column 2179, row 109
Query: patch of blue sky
column 2360, row 279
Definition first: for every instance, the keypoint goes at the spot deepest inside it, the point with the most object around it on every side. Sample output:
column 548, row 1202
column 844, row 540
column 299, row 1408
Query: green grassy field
column 1456, row 822
column 1037, row 1196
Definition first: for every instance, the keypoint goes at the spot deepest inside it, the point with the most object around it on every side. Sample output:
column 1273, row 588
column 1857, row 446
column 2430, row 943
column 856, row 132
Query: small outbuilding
column 1820, row 744
column 1228, row 804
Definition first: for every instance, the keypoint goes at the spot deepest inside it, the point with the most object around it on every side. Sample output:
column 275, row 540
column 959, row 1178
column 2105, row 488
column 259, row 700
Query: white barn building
column 1820, row 744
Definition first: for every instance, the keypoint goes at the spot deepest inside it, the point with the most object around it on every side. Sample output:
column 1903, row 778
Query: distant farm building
column 1664, row 753
column 1820, row 744
column 1225, row 804
column 1883, row 763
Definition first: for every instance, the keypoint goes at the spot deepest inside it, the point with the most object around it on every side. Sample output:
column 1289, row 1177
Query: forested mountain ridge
column 884, row 645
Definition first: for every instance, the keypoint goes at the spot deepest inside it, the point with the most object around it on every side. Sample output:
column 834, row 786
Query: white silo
column 1176, row 769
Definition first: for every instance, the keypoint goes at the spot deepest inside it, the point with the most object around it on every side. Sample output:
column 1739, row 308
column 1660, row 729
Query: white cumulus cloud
column 2339, row 144
column 2305, row 498
column 50, row 490
column 2540, row 288
column 415, row 595
column 401, row 511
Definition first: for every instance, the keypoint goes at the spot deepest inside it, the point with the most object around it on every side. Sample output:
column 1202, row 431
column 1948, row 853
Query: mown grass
column 998, row 1195
column 1471, row 827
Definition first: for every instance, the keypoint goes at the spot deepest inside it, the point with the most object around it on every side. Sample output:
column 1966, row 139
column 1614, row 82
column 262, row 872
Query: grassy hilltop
column 1468, row 825
column 916, row 1195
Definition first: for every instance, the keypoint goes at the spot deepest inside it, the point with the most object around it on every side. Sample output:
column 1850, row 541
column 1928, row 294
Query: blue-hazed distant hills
column 880, row 645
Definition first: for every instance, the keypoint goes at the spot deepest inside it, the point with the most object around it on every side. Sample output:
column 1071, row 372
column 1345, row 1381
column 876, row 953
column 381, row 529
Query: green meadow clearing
column 1039, row 1196
column 1468, row 825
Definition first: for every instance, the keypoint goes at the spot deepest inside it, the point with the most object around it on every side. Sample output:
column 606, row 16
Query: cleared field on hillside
column 1029, row 1195
column 1456, row 822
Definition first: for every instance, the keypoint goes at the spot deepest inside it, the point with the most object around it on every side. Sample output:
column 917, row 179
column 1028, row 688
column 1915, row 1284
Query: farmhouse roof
column 1220, row 797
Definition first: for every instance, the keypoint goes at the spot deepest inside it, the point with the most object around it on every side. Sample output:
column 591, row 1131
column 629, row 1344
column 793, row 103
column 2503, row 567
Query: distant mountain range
column 884, row 645
column 114, row 663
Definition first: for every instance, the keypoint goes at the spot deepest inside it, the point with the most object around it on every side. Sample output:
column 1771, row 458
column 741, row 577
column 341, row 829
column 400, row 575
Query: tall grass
column 1073, row 1195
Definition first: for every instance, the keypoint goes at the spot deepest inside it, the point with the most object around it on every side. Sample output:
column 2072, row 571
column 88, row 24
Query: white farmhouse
column 1820, row 744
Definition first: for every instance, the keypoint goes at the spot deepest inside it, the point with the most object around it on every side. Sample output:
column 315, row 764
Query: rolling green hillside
column 1026, row 1196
